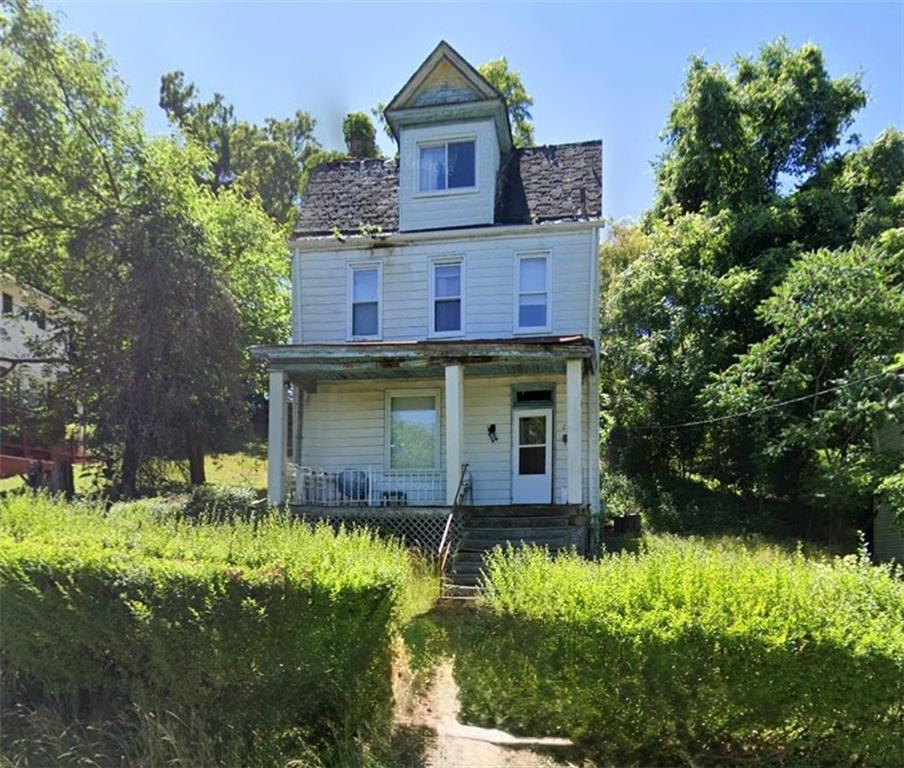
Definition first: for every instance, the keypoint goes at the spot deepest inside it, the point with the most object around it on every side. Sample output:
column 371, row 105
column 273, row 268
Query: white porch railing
column 368, row 487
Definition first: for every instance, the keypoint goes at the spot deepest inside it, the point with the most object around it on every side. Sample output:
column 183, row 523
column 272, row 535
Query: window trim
column 433, row 143
column 518, row 329
column 350, row 295
column 433, row 392
column 440, row 261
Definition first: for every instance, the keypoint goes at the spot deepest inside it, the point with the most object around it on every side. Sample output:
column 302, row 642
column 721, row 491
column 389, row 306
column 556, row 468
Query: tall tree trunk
column 195, row 448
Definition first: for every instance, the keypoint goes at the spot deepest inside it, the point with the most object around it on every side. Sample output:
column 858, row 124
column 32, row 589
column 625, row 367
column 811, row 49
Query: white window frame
column 528, row 330
column 349, row 299
column 445, row 261
column 432, row 144
column 387, row 424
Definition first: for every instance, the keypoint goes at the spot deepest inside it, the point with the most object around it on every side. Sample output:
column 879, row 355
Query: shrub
column 223, row 503
column 692, row 652
column 254, row 629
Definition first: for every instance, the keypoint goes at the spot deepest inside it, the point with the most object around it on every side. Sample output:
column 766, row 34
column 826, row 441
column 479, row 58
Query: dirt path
column 447, row 743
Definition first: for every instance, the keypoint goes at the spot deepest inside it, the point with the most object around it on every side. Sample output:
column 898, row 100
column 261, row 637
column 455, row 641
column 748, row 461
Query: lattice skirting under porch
column 421, row 528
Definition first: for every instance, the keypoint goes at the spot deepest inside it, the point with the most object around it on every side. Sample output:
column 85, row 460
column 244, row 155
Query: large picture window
column 451, row 165
column 532, row 311
column 364, row 301
column 446, row 298
column 413, row 430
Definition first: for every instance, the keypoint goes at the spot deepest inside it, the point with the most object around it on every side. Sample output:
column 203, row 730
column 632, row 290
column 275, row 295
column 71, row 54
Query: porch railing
column 369, row 487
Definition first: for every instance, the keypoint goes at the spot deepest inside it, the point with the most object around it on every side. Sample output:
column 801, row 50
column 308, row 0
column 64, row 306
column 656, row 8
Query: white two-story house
column 445, row 316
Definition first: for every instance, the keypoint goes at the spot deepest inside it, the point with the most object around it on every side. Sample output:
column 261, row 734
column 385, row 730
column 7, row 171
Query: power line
column 770, row 407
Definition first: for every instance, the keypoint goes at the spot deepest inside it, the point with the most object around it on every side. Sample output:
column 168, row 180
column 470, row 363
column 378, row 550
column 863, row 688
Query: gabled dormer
column 452, row 128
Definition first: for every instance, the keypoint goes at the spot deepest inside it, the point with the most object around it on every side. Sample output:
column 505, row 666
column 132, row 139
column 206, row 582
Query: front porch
column 372, row 428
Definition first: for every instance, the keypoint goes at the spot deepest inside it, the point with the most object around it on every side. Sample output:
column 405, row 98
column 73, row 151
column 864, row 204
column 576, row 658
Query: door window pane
column 461, row 164
column 413, row 432
column 532, row 311
column 433, row 168
column 532, row 461
column 532, row 430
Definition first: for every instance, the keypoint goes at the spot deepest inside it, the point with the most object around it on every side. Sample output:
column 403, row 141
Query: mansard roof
column 558, row 182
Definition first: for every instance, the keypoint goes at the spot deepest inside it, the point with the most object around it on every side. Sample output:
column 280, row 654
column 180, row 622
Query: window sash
column 533, row 293
column 413, row 432
column 364, row 302
column 436, row 169
column 447, row 294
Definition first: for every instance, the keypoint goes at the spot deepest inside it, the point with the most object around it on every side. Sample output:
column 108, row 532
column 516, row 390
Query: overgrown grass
column 692, row 652
column 245, row 642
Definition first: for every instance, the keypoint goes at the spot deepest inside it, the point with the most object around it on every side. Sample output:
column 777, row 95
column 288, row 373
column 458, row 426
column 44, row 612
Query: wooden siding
column 418, row 211
column 344, row 426
column 320, row 312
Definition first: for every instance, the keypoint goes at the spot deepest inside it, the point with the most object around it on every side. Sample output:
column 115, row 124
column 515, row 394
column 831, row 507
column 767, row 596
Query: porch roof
column 421, row 359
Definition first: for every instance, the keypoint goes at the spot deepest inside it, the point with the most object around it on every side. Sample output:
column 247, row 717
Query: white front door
column 532, row 456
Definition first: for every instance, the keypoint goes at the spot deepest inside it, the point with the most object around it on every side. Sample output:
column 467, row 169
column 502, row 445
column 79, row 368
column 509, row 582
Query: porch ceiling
column 426, row 359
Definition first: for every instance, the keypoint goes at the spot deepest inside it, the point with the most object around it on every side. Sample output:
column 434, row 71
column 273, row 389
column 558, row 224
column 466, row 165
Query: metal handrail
column 445, row 544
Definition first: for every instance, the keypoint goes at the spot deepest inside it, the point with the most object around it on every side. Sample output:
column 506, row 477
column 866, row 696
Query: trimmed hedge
column 256, row 628
column 690, row 653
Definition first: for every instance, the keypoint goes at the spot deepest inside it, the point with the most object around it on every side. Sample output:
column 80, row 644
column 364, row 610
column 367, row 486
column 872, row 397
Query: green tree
column 67, row 143
column 360, row 135
column 735, row 133
column 517, row 100
column 264, row 160
column 175, row 277
column 684, row 291
column 819, row 380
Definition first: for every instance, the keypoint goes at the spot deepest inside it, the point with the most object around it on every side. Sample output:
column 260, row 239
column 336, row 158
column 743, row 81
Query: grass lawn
column 247, row 468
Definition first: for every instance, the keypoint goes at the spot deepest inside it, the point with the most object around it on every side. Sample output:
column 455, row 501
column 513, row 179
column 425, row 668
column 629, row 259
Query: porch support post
column 573, row 428
column 276, row 445
column 297, row 406
column 454, row 403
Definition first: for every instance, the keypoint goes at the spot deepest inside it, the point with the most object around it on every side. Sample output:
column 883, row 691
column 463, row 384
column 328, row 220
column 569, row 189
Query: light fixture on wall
column 491, row 432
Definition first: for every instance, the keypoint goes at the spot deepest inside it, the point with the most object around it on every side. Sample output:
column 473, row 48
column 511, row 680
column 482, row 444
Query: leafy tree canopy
column 517, row 100
column 735, row 132
column 266, row 160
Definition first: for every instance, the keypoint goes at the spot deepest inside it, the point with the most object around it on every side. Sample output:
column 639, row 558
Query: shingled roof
column 558, row 182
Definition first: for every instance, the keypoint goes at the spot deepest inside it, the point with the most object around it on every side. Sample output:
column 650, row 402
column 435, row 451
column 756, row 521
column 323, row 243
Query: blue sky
column 605, row 71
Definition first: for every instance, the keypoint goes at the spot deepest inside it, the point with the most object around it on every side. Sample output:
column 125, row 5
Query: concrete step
column 453, row 591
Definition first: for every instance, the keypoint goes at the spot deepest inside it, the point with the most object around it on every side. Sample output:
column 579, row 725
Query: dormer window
column 448, row 165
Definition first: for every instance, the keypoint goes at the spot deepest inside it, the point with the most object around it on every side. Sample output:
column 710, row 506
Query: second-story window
column 364, row 301
column 451, row 165
column 446, row 298
column 532, row 309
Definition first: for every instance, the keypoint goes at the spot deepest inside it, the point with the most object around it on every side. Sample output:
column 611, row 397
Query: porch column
column 454, row 402
column 297, row 395
column 573, row 428
column 276, row 442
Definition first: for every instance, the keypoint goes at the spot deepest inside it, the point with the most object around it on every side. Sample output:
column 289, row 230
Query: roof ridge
column 585, row 143
column 350, row 160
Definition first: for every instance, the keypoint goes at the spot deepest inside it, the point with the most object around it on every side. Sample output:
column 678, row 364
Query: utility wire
column 770, row 407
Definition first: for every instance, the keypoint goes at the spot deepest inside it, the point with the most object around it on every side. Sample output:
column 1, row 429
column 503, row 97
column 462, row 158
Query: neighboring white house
column 445, row 314
column 32, row 331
